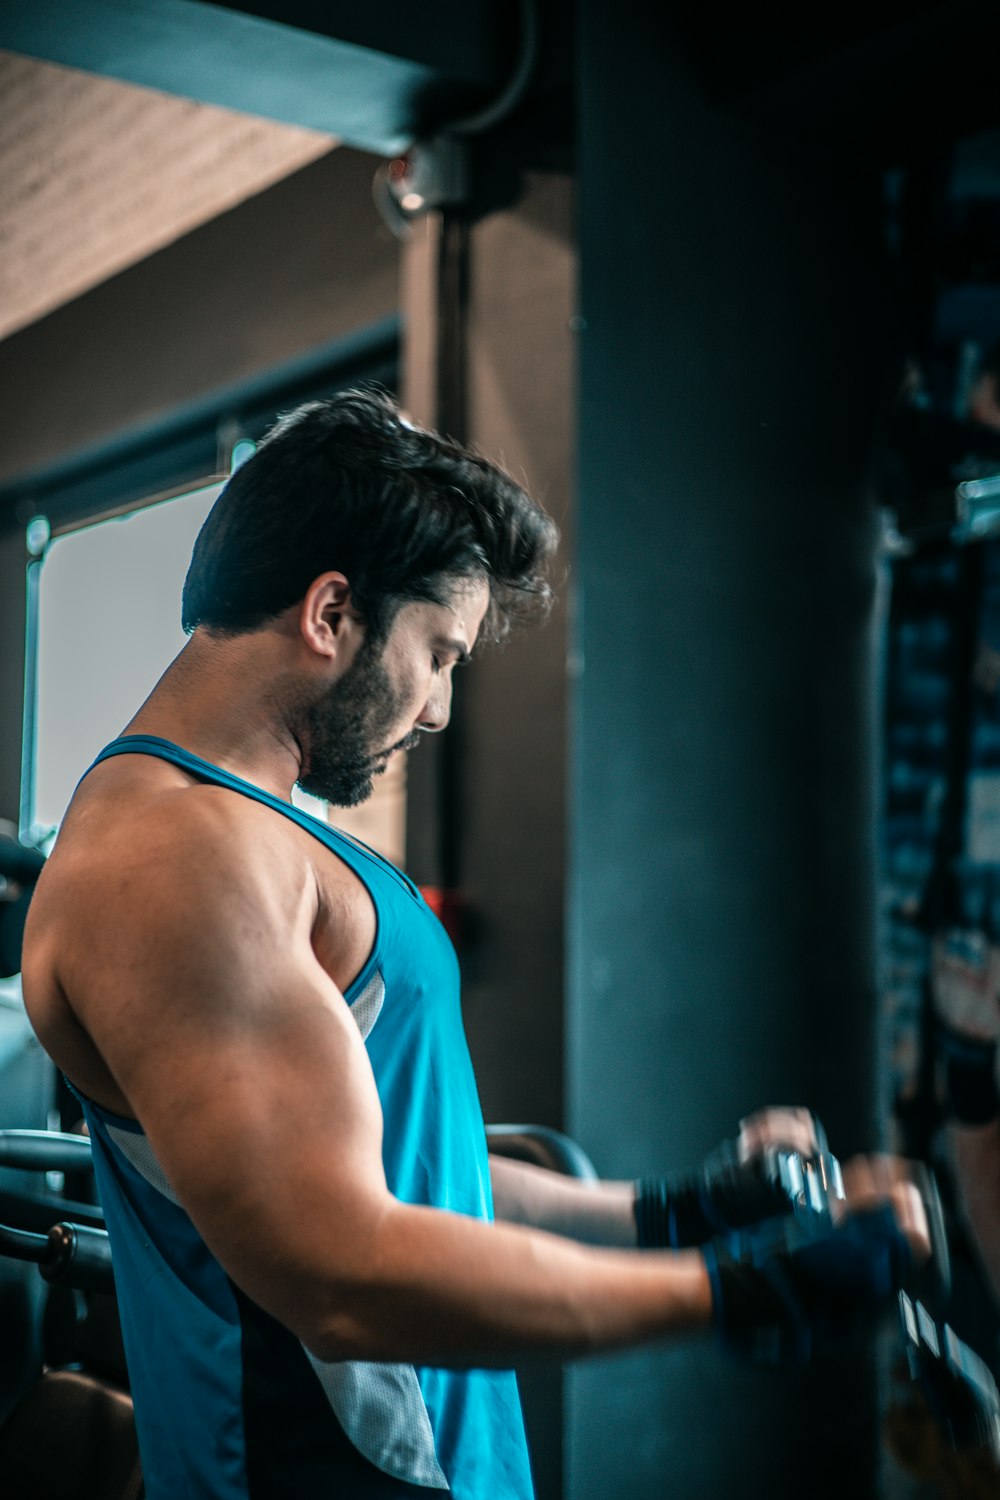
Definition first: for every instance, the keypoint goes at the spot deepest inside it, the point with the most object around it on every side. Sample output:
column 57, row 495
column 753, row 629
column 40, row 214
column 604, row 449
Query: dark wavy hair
column 347, row 483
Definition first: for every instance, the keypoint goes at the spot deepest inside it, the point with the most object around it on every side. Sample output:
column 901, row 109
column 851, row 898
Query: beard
column 343, row 736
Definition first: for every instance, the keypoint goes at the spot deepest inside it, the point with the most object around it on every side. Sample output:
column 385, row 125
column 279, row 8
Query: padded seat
column 71, row 1438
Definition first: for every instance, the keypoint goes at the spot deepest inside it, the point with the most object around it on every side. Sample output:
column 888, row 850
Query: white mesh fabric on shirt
column 381, row 1409
column 365, row 1009
column 139, row 1153
column 381, row 1406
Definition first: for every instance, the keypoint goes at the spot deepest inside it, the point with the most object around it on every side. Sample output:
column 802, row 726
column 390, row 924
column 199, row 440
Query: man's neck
column 216, row 699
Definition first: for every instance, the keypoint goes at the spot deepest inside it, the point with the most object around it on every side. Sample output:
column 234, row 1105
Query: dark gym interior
column 717, row 289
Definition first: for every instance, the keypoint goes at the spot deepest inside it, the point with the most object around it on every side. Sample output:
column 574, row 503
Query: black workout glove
column 789, row 1288
column 724, row 1194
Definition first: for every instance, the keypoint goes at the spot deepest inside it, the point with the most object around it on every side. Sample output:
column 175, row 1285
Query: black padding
column 18, row 862
column 82, row 1328
column 13, row 915
column 71, row 1438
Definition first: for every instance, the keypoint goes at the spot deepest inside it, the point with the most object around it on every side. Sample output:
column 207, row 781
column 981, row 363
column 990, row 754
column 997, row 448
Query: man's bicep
column 242, row 1062
column 170, row 970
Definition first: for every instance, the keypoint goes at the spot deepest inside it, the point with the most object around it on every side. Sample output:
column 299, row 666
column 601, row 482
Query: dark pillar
column 488, row 357
column 721, row 902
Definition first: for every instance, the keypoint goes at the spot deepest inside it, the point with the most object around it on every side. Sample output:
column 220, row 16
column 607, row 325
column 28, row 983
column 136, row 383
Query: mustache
column 408, row 742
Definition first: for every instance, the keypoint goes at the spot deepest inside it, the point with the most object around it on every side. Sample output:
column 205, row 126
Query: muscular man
column 261, row 1018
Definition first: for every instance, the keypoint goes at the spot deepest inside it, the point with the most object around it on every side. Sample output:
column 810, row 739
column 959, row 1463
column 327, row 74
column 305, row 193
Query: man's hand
column 872, row 1180
column 738, row 1185
column 911, row 1190
column 779, row 1128
column 791, row 1288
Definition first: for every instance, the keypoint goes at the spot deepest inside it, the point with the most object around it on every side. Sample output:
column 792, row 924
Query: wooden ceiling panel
column 95, row 175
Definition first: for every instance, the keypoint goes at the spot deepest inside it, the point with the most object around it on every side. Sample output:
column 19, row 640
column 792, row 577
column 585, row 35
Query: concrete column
column 721, row 829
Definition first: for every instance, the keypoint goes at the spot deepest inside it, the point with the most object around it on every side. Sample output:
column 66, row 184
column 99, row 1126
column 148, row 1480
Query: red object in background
column 448, row 907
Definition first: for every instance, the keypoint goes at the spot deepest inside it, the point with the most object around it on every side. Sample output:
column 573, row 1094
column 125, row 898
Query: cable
column 512, row 93
column 433, row 172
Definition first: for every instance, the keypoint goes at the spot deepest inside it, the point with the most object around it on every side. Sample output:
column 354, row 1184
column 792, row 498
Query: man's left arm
column 603, row 1213
column 596, row 1213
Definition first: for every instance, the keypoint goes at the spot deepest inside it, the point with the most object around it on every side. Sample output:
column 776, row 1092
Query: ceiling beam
column 375, row 75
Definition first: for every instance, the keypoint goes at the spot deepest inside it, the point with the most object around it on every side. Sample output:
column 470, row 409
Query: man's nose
column 437, row 710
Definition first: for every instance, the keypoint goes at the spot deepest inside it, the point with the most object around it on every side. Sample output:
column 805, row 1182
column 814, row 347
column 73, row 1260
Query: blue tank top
column 229, row 1404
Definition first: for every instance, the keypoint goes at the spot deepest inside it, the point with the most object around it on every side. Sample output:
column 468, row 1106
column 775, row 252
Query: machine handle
column 45, row 1151
column 71, row 1254
column 542, row 1147
column 22, row 1244
column 78, row 1256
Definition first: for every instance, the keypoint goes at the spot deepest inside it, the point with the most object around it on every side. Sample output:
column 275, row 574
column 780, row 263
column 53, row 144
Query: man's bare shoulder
column 138, row 858
column 158, row 831
column 168, row 905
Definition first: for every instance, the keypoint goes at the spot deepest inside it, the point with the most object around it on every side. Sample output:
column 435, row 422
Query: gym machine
column 71, row 1434
column 82, row 1393
column 20, row 867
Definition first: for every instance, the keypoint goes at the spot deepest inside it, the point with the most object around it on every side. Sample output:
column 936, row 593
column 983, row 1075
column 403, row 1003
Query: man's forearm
column 439, row 1288
column 596, row 1213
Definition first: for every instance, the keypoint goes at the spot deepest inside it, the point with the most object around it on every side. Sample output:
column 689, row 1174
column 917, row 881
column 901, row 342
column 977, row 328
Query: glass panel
column 108, row 626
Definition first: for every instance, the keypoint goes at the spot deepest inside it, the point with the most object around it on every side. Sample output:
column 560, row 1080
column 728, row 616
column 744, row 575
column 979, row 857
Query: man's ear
column 328, row 622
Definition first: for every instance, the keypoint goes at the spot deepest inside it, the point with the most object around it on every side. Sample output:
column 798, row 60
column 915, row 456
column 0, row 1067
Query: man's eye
column 436, row 663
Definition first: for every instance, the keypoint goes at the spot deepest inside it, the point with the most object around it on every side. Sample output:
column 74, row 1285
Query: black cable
column 389, row 206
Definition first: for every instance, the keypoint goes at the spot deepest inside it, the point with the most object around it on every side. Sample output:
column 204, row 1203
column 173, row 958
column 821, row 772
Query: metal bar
column 21, row 1244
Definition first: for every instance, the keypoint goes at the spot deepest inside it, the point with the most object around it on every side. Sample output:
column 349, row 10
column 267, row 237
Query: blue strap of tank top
column 334, row 838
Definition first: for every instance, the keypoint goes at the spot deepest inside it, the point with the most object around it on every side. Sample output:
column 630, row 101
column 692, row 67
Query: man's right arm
column 241, row 1060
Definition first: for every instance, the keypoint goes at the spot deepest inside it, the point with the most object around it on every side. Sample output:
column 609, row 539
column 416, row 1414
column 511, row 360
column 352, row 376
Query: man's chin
column 339, row 795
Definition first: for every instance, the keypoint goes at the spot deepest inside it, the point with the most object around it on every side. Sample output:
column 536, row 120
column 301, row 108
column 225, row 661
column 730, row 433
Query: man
column 262, row 1020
